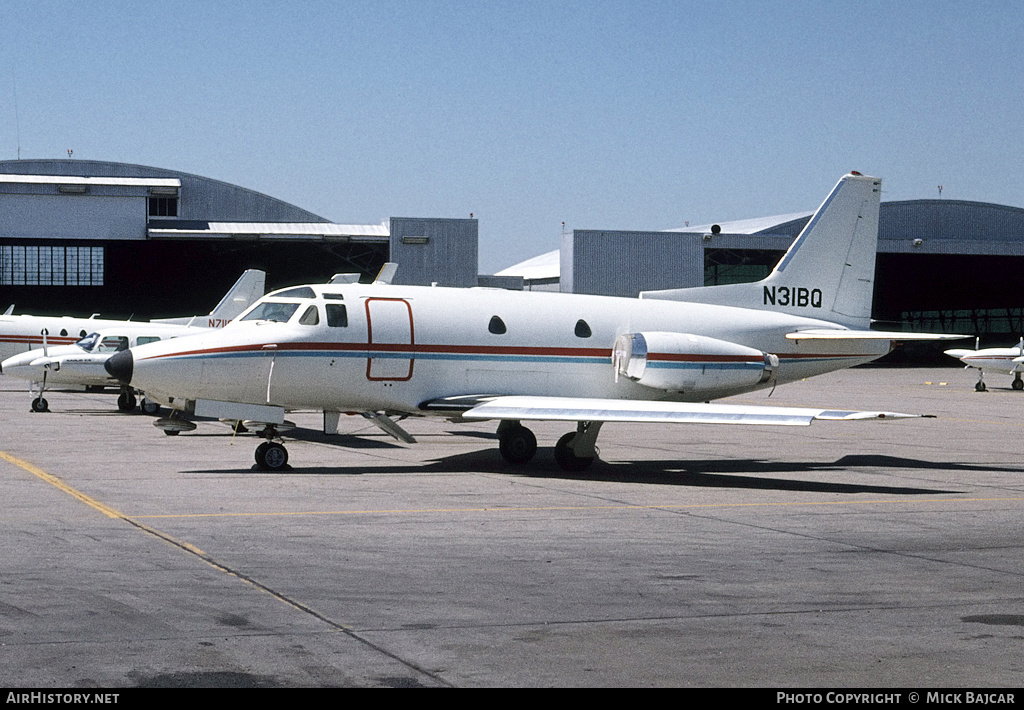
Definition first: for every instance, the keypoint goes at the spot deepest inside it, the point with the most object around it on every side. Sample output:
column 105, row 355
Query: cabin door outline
column 394, row 336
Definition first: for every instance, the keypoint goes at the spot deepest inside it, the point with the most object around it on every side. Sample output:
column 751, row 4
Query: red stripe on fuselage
column 480, row 350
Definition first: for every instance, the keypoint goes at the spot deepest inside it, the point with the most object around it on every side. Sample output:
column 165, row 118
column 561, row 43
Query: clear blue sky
column 617, row 115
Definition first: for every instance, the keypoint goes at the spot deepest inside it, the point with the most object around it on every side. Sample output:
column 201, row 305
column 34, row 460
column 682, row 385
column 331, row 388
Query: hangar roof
column 79, row 180
column 758, row 225
column 170, row 229
column 208, row 199
column 923, row 226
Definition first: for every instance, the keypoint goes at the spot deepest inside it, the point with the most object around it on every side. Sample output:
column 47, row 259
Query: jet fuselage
column 379, row 347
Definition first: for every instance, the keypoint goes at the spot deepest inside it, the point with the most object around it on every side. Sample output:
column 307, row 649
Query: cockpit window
column 112, row 344
column 310, row 317
column 337, row 315
column 272, row 310
column 88, row 342
column 300, row 292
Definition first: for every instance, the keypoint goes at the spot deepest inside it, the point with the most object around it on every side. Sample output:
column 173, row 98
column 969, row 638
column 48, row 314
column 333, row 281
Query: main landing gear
column 1017, row 384
column 516, row 443
column 574, row 452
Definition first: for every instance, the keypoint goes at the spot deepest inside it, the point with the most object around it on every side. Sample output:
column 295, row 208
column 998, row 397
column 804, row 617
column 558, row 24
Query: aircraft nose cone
column 121, row 366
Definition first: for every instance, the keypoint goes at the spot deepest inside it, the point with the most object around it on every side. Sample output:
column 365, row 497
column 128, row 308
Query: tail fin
column 827, row 273
column 247, row 290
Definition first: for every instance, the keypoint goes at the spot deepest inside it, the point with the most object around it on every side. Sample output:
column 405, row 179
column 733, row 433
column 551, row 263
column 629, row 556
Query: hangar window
column 582, row 329
column 163, row 206
column 497, row 326
column 51, row 266
column 337, row 315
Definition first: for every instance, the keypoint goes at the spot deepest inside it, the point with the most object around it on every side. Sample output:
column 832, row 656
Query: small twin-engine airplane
column 80, row 363
column 388, row 351
column 1008, row 360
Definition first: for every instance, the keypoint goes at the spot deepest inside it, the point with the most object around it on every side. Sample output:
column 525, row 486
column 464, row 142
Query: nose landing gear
column 271, row 455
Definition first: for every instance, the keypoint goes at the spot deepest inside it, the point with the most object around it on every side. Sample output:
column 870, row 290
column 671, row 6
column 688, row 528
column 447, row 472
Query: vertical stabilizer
column 827, row 273
column 247, row 290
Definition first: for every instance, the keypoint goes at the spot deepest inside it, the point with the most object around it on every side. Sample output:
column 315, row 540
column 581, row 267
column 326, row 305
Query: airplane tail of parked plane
column 827, row 273
column 249, row 288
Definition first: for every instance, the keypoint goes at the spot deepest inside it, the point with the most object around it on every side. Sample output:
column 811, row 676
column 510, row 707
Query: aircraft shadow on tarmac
column 751, row 474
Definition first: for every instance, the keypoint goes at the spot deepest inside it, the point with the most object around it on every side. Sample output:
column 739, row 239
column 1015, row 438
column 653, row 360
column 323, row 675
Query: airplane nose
column 121, row 366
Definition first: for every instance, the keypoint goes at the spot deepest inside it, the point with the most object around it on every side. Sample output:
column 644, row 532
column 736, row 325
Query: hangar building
column 78, row 237
column 943, row 265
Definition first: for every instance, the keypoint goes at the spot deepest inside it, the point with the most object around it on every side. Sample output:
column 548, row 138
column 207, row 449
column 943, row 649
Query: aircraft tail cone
column 121, row 366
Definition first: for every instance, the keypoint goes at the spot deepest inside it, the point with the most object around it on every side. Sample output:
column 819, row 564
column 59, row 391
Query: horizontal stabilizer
column 616, row 410
column 837, row 334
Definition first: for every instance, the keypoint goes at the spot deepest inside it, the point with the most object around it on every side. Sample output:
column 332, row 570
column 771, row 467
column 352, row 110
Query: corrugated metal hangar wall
column 78, row 237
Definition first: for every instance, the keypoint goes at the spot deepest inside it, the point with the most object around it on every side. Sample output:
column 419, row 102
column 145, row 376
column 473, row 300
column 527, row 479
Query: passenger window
column 582, row 329
column 310, row 317
column 497, row 326
column 143, row 339
column 63, row 331
column 337, row 315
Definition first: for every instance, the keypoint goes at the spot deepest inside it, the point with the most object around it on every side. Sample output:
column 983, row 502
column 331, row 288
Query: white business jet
column 389, row 351
column 81, row 362
column 1008, row 360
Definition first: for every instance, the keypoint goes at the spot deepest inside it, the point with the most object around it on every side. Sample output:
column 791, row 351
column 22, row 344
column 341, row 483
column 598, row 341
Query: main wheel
column 567, row 459
column 150, row 407
column 980, row 387
column 517, row 444
column 1017, row 384
column 39, row 404
column 271, row 456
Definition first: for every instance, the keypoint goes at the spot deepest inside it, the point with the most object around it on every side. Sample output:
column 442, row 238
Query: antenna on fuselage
column 386, row 273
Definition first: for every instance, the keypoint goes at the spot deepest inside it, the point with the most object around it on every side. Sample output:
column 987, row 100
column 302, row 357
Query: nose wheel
column 271, row 456
column 980, row 385
column 126, row 400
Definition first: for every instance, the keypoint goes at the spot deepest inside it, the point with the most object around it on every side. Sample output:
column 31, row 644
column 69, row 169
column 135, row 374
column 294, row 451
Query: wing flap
column 616, row 410
column 837, row 334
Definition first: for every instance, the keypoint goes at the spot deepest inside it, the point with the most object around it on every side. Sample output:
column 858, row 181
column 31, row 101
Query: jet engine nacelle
column 681, row 362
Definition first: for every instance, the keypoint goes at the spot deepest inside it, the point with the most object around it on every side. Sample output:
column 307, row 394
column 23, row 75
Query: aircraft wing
column 838, row 334
column 617, row 410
